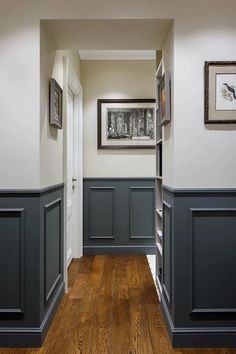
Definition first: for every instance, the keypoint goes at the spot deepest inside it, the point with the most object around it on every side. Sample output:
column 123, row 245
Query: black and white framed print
column 220, row 92
column 126, row 123
column 55, row 101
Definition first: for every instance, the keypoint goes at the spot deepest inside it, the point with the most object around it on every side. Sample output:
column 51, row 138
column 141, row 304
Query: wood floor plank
column 121, row 312
column 73, row 272
column 100, row 342
column 112, row 308
column 138, row 320
column 132, row 273
column 157, row 331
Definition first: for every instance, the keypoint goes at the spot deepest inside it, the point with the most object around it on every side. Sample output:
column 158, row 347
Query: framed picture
column 126, row 123
column 55, row 102
column 163, row 93
column 220, row 92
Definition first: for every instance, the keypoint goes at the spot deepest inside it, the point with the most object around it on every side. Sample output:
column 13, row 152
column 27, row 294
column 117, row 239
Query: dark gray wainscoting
column 31, row 263
column 199, row 267
column 119, row 216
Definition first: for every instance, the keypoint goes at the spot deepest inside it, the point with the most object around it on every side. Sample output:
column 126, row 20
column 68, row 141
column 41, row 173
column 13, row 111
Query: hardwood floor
column 111, row 308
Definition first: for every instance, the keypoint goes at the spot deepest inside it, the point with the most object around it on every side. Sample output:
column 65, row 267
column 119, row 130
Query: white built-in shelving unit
column 158, row 184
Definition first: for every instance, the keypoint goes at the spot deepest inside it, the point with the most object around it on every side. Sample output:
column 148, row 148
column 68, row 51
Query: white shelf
column 158, row 184
column 159, row 142
column 159, row 287
column 159, row 247
column 159, row 212
column 152, row 265
column 159, row 70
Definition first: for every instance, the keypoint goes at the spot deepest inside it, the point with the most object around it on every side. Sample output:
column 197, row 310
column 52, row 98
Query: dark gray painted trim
column 51, row 311
column 167, row 294
column 51, row 188
column 95, row 250
column 203, row 340
column 91, row 237
column 48, row 206
column 21, row 211
column 131, row 236
column 121, row 217
column 29, row 329
column 192, row 211
column 167, row 317
column 49, row 294
column 198, row 337
column 191, row 323
column 31, row 337
column 189, row 191
column 33, row 191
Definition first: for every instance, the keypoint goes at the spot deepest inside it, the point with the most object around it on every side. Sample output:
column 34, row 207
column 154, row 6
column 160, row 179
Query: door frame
column 71, row 80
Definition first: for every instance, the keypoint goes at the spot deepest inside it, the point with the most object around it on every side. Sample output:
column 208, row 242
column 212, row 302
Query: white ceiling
column 108, row 34
column 117, row 54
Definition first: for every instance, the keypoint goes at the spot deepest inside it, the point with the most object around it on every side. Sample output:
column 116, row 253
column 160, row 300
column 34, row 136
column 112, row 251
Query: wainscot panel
column 12, row 227
column 31, row 263
column 200, row 267
column 119, row 216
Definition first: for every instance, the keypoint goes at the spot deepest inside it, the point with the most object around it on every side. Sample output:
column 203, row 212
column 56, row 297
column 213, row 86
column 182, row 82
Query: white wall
column 19, row 100
column 204, row 155
column 51, row 139
column 203, row 30
column 115, row 79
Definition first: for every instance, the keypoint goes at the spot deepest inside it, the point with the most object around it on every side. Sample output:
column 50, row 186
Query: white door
column 71, row 178
column 72, row 165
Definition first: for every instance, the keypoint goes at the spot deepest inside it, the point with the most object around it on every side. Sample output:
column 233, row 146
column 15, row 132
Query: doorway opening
column 89, row 38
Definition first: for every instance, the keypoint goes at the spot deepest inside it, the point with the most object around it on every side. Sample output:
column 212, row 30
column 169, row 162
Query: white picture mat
column 107, row 142
column 213, row 114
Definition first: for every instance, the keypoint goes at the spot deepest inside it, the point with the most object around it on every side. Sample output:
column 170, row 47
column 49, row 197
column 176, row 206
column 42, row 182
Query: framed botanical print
column 164, row 101
column 126, row 123
column 55, row 102
column 220, row 92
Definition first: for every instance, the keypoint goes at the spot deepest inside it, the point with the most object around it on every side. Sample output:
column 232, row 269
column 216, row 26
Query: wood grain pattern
column 111, row 308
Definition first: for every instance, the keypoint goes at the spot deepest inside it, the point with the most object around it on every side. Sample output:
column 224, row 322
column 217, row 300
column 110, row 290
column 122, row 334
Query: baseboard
column 51, row 311
column 118, row 250
column 204, row 340
column 209, row 337
column 31, row 337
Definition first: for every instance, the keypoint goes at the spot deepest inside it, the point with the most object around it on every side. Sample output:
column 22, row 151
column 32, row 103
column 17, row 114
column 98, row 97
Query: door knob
column 74, row 179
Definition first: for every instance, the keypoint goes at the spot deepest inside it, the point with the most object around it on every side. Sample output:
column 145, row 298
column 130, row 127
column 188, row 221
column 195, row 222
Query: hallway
column 112, row 307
